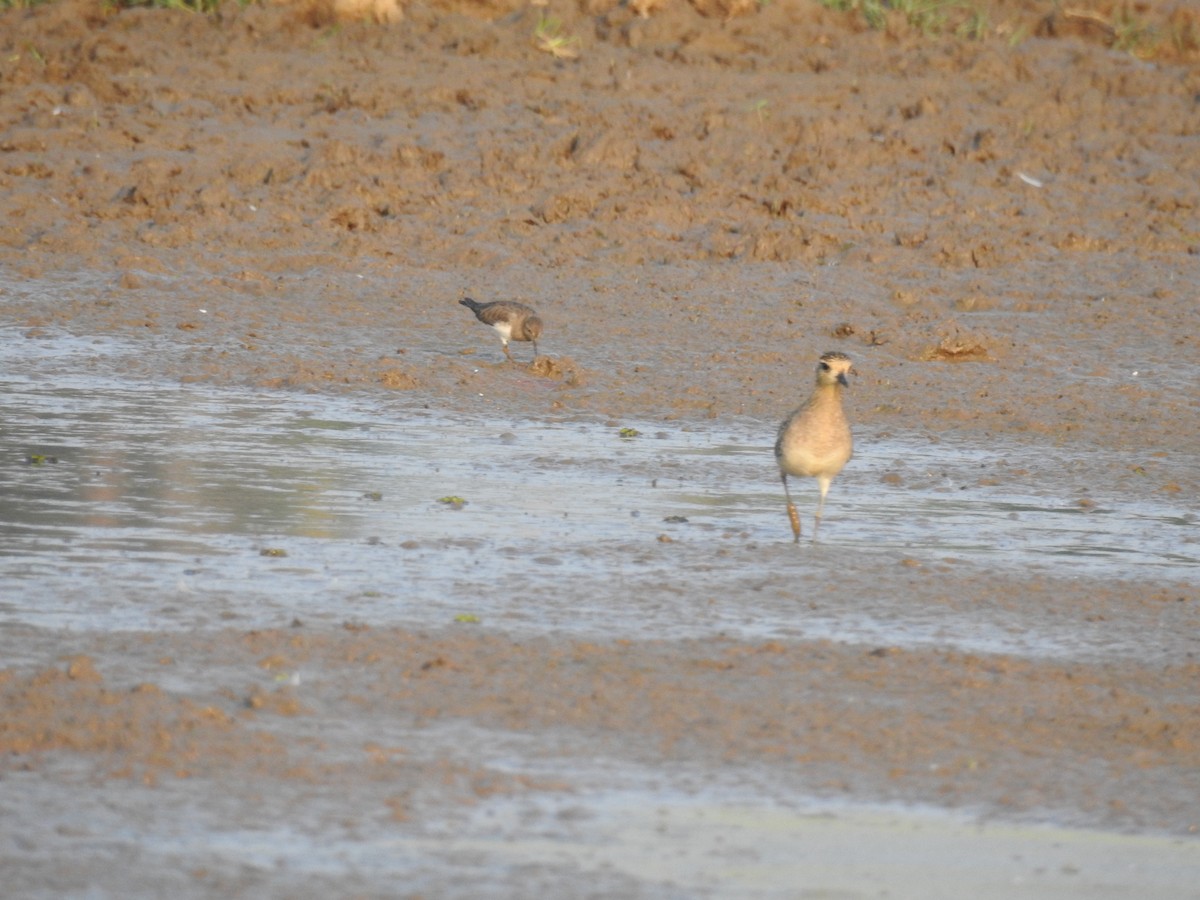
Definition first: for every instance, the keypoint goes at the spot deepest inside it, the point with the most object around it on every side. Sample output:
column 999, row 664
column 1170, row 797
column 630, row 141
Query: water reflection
column 163, row 499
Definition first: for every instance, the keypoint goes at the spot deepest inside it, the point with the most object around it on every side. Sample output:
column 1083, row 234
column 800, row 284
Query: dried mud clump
column 562, row 369
column 398, row 380
column 871, row 338
column 958, row 348
column 724, row 9
column 1161, row 31
column 323, row 13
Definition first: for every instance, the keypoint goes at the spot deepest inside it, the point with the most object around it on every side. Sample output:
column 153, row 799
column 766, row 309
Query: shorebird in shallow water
column 514, row 321
column 814, row 441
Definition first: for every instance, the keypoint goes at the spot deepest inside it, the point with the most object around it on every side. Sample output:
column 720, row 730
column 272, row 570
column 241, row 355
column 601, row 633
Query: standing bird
column 815, row 441
column 514, row 321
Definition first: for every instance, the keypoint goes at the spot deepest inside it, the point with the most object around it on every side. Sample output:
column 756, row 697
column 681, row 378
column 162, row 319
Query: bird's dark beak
column 842, row 379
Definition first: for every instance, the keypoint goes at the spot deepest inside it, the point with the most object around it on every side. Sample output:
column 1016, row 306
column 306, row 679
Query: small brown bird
column 514, row 321
column 814, row 441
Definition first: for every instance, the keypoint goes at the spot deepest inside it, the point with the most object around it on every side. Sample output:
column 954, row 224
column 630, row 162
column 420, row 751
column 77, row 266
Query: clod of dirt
column 562, row 369
column 83, row 668
column 327, row 13
column 957, row 348
column 401, row 381
column 282, row 701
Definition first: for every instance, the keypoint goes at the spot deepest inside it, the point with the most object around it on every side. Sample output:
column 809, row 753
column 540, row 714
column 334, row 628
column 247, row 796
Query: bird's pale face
column 833, row 369
column 533, row 328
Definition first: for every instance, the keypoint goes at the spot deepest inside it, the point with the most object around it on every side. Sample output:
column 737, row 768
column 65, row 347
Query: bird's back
column 497, row 311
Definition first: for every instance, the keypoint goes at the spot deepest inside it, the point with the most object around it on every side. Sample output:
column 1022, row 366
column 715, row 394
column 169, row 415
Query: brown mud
column 1003, row 233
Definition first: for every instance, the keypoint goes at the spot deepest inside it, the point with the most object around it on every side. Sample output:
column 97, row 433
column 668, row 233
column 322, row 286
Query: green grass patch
column 1128, row 27
column 551, row 37
column 962, row 17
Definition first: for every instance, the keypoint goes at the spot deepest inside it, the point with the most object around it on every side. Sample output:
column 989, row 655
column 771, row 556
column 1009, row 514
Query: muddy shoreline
column 1004, row 234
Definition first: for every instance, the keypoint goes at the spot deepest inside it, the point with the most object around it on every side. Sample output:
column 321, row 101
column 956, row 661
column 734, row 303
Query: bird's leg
column 823, row 484
column 793, row 515
column 794, row 518
column 506, row 353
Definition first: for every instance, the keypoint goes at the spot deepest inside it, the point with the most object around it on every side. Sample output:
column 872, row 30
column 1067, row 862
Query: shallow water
column 682, row 834
column 131, row 504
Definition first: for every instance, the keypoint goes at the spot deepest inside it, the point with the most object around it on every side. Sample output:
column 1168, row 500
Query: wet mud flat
column 247, row 650
column 250, row 646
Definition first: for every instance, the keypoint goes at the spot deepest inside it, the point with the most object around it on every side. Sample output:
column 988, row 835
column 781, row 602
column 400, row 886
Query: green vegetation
column 550, row 37
column 975, row 26
column 762, row 109
column 1137, row 29
column 1126, row 29
column 1139, row 38
column 927, row 16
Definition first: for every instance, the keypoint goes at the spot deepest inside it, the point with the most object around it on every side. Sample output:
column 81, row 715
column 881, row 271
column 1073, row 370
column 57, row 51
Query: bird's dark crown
column 834, row 354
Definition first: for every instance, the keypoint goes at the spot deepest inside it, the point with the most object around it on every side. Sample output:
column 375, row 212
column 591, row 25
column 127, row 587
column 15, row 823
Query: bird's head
column 833, row 368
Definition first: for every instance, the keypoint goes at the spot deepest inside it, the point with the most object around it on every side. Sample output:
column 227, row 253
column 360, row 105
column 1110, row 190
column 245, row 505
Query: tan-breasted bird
column 814, row 441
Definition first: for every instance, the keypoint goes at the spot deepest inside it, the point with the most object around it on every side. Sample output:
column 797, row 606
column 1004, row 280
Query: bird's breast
column 811, row 454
